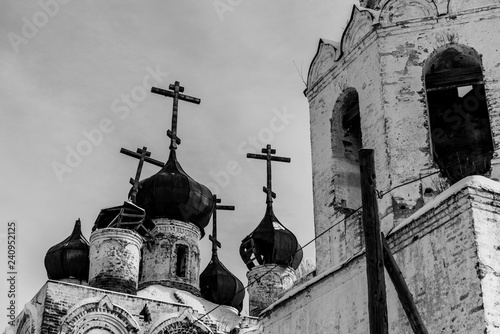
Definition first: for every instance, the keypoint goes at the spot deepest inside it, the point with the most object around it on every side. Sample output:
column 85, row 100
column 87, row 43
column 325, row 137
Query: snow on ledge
column 470, row 181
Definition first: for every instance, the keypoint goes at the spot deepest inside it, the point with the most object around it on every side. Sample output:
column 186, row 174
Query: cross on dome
column 213, row 238
column 175, row 91
column 268, row 157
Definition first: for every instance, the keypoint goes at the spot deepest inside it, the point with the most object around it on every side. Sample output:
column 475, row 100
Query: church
column 416, row 81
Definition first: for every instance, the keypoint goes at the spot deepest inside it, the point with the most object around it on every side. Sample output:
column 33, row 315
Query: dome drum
column 114, row 259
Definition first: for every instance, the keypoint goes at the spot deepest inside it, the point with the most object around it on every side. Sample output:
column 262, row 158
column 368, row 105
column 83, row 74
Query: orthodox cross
column 268, row 151
column 213, row 237
column 142, row 155
column 175, row 91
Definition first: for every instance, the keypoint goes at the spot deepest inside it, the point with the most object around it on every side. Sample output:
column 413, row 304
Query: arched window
column 461, row 137
column 346, row 143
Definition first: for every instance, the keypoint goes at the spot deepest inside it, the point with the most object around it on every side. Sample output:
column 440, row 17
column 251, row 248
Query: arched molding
column 29, row 320
column 360, row 25
column 99, row 314
column 442, row 6
column 470, row 53
column 178, row 323
column 325, row 59
column 404, row 10
column 456, row 6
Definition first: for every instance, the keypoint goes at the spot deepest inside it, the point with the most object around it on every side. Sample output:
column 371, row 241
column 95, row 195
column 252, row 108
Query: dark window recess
column 180, row 268
column 346, row 143
column 351, row 124
column 458, row 113
column 141, row 264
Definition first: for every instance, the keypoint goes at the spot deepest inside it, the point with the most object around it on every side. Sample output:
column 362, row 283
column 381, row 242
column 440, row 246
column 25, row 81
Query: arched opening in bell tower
column 462, row 142
column 346, row 143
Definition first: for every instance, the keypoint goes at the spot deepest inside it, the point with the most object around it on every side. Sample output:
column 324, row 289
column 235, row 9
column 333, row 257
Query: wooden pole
column 377, row 303
column 404, row 294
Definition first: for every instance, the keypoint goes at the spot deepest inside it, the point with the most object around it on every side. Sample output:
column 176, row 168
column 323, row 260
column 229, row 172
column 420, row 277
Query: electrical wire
column 379, row 194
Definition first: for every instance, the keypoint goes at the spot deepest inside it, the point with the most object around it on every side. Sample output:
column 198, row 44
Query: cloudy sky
column 75, row 88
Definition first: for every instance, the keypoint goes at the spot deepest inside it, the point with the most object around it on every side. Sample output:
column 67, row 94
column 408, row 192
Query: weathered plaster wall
column 404, row 49
column 386, row 66
column 327, row 163
column 268, row 283
column 61, row 297
column 448, row 255
column 159, row 260
column 114, row 259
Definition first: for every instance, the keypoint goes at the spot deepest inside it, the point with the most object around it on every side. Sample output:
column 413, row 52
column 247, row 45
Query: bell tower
column 417, row 82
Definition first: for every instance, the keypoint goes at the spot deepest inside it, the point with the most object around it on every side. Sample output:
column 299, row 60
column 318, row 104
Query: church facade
column 415, row 80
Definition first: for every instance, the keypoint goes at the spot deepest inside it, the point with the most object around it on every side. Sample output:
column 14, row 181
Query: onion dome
column 173, row 194
column 69, row 258
column 220, row 286
column 271, row 243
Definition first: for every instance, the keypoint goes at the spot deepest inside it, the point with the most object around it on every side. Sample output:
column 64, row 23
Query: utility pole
column 377, row 300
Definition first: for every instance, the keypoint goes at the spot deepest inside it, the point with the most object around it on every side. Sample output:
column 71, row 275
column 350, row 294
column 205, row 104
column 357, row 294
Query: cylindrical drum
column 266, row 284
column 114, row 259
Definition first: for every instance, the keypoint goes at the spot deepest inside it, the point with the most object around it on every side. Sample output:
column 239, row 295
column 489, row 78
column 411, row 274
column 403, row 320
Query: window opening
column 180, row 268
column 458, row 112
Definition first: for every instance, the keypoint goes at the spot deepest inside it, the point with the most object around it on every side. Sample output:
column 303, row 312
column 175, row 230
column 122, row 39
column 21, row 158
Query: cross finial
column 268, row 156
column 215, row 243
column 175, row 92
column 142, row 155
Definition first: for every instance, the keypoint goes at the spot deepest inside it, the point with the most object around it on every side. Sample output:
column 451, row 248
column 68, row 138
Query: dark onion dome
column 218, row 285
column 69, row 258
column 173, row 194
column 271, row 243
column 127, row 216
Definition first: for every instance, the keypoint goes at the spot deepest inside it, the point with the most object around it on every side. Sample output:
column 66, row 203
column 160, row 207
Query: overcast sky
column 75, row 85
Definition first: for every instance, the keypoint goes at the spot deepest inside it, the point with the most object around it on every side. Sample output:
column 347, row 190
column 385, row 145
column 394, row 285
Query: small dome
column 271, row 243
column 69, row 258
column 220, row 286
column 171, row 193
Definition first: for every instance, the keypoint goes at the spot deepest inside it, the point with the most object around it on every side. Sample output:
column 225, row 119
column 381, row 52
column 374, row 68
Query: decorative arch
column 28, row 322
column 179, row 323
column 442, row 6
column 98, row 315
column 360, row 25
column 403, row 10
column 346, row 139
column 462, row 143
column 326, row 57
column 456, row 6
